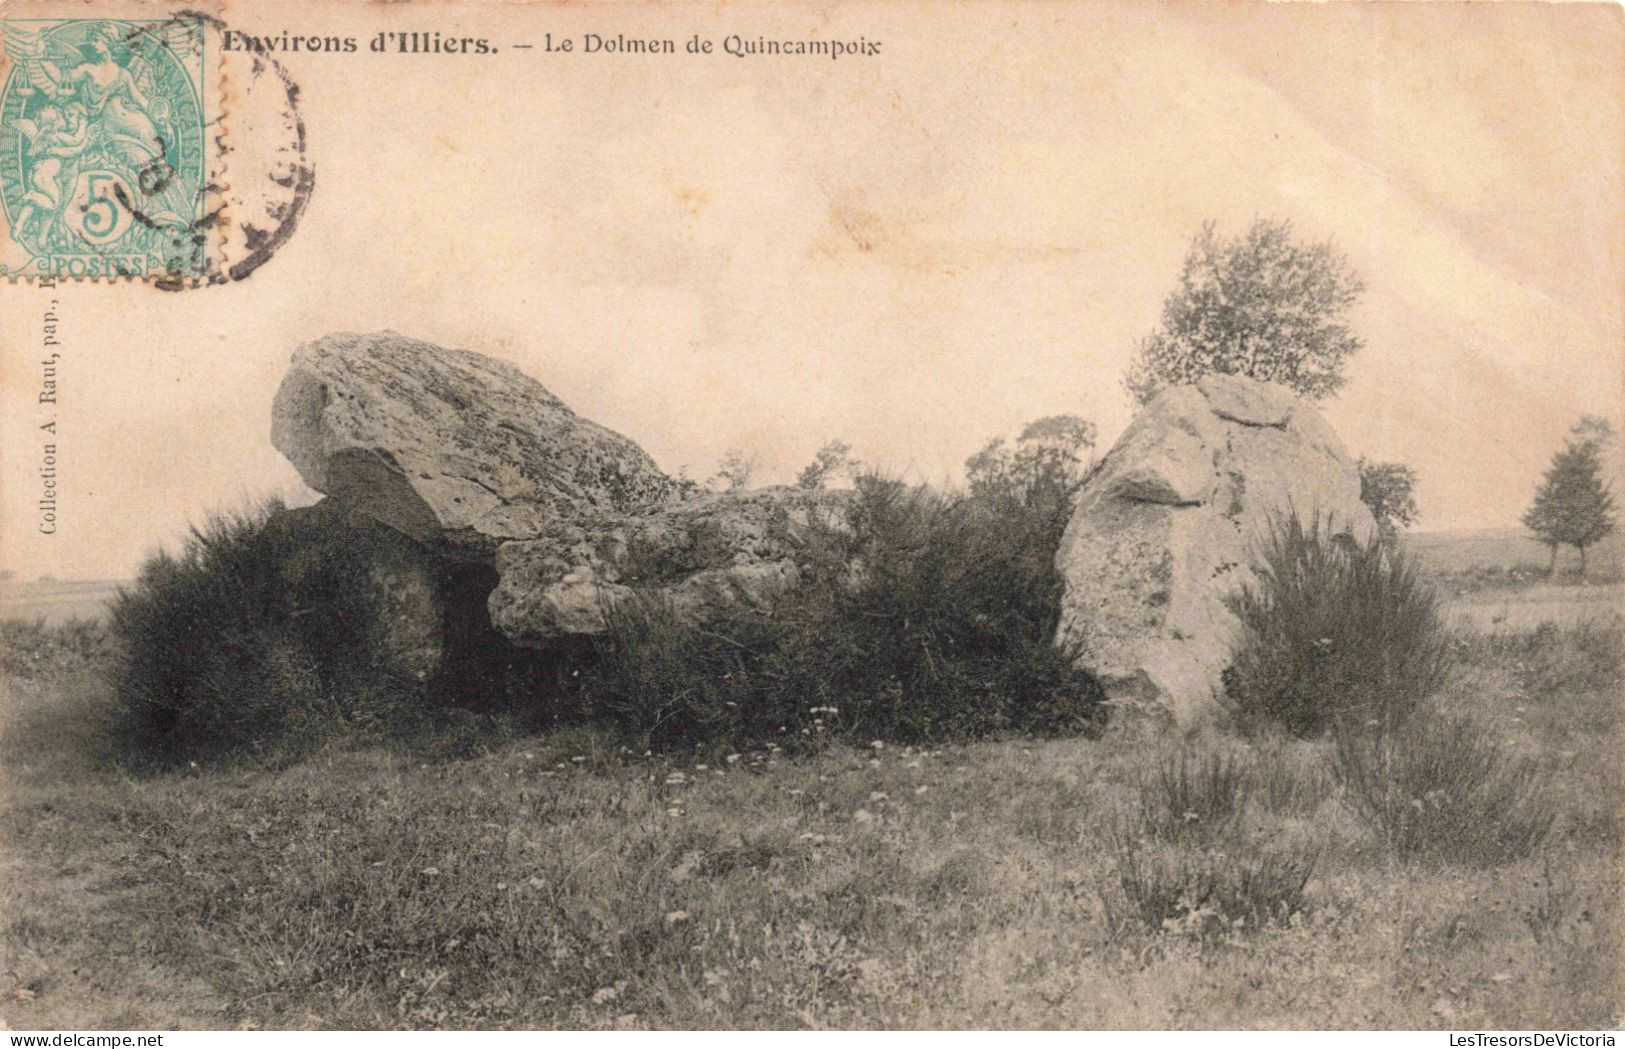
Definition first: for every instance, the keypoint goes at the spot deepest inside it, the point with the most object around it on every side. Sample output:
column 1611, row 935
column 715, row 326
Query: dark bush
column 269, row 632
column 1333, row 630
column 932, row 617
column 275, row 629
column 1442, row 785
column 671, row 681
column 212, row 658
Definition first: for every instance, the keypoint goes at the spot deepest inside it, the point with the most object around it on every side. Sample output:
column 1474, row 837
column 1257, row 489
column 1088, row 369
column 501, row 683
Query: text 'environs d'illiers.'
column 438, row 43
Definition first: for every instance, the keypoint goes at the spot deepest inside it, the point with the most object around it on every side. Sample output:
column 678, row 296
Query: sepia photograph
column 828, row 516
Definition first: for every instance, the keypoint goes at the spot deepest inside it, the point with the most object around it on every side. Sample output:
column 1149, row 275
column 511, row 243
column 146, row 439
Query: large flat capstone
column 481, row 465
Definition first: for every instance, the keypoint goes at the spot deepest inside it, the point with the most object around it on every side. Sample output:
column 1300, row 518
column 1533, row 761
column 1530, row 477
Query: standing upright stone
column 1170, row 526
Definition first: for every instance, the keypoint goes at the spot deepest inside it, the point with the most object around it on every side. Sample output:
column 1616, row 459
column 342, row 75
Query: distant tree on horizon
column 1260, row 305
column 1573, row 504
column 1388, row 491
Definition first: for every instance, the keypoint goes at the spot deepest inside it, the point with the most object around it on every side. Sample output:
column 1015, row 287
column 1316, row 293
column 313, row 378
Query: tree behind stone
column 1388, row 491
column 833, row 459
column 735, row 471
column 1573, row 504
column 1050, row 459
column 1259, row 305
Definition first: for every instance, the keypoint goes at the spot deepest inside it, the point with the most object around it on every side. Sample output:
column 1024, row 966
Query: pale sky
column 914, row 252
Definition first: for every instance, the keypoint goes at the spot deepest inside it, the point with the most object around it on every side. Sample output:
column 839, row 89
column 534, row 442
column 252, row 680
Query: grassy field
column 55, row 600
column 1510, row 549
column 561, row 881
column 1525, row 607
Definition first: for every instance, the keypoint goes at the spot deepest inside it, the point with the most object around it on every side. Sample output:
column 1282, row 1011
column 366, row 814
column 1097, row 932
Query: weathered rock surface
column 482, row 467
column 729, row 551
column 450, row 447
column 1169, row 527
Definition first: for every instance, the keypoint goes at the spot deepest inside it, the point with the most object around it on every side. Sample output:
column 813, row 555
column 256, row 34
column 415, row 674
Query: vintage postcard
column 836, row 515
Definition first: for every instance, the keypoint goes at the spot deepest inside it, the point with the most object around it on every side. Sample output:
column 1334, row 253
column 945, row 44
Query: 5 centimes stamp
column 104, row 148
column 136, row 146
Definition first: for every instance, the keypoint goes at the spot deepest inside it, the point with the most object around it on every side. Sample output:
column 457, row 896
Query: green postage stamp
column 104, row 149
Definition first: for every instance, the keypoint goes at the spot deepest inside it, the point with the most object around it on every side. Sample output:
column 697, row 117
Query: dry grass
column 559, row 881
column 1444, row 786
